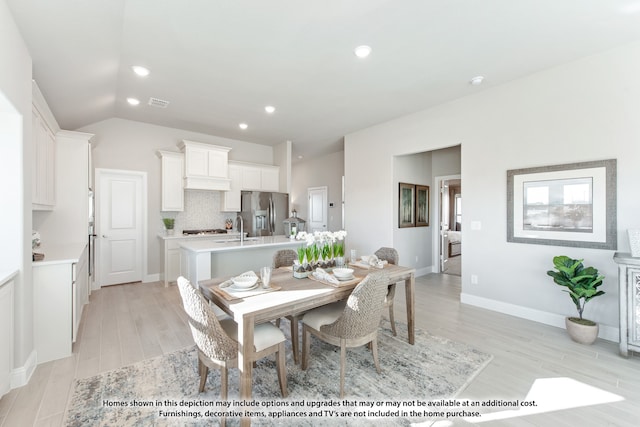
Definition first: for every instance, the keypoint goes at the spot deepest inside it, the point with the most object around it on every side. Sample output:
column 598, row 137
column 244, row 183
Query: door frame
column 143, row 247
column 437, row 217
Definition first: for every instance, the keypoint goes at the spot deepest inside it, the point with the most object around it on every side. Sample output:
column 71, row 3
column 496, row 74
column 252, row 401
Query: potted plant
column 168, row 224
column 582, row 285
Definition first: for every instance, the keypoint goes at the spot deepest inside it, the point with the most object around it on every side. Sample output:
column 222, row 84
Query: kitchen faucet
column 239, row 217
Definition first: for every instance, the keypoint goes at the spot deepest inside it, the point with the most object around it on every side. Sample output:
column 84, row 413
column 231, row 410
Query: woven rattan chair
column 215, row 339
column 391, row 256
column 349, row 323
column 285, row 258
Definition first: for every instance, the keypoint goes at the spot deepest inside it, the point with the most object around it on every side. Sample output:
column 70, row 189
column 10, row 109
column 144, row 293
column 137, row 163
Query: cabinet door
column 251, row 178
column 173, row 266
column 197, row 161
column 81, row 290
column 231, row 199
column 172, row 177
column 218, row 164
column 270, row 178
column 44, row 153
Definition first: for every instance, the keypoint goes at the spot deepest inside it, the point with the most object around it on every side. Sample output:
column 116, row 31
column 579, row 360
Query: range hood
column 206, row 166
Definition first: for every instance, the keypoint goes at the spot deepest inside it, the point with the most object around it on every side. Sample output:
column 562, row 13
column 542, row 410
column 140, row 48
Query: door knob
column 104, row 236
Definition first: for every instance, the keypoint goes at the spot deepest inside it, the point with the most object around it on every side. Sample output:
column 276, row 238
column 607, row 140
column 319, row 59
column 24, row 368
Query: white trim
column 608, row 333
column 21, row 376
column 153, row 278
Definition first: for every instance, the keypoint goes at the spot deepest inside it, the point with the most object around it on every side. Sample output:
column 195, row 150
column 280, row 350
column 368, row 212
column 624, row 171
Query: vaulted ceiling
column 219, row 63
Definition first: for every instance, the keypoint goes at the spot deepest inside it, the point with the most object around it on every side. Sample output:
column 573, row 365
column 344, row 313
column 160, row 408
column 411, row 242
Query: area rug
column 164, row 391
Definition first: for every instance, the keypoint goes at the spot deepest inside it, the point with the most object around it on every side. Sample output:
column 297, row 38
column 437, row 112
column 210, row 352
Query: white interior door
column 120, row 207
column 317, row 208
column 444, row 226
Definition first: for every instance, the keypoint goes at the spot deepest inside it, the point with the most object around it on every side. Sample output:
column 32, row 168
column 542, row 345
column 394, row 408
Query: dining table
column 288, row 295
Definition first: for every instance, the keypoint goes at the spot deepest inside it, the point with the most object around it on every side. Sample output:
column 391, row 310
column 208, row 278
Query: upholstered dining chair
column 217, row 344
column 350, row 323
column 285, row 258
column 391, row 256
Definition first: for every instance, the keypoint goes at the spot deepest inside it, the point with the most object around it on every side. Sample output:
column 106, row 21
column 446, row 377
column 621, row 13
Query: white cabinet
column 6, row 334
column 231, row 199
column 172, row 177
column 629, row 294
column 257, row 177
column 43, row 178
column 206, row 166
column 53, row 308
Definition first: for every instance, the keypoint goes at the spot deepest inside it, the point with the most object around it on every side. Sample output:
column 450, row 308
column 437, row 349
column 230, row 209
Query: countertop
column 163, row 235
column 59, row 254
column 210, row 245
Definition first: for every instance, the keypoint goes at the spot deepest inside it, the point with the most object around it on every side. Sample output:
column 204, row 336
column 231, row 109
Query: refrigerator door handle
column 272, row 220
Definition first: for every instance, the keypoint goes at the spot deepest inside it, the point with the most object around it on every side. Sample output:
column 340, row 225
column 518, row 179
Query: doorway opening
column 449, row 201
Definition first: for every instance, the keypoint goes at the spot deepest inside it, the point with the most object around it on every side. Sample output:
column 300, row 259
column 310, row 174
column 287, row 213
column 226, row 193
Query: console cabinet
column 629, row 291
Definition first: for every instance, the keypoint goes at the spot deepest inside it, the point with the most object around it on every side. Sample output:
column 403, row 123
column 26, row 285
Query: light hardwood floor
column 128, row 323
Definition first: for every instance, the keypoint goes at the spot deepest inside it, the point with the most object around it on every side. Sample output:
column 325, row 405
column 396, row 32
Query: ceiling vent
column 159, row 103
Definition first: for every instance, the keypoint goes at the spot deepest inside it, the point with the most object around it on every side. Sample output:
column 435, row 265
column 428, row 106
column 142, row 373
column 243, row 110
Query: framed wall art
column 422, row 205
column 406, row 205
column 565, row 205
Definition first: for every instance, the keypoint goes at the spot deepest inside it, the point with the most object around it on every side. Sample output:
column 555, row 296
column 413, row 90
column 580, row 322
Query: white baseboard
column 151, row 278
column 606, row 332
column 21, row 376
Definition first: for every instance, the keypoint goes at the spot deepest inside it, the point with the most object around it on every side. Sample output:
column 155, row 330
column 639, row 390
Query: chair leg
column 306, row 347
column 295, row 343
column 204, row 371
column 374, row 350
column 392, row 320
column 343, row 362
column 224, row 374
column 282, row 369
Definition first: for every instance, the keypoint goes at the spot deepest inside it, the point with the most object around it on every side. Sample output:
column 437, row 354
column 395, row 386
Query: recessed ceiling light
column 243, row 126
column 141, row 71
column 270, row 109
column 133, row 101
column 362, row 51
column 476, row 80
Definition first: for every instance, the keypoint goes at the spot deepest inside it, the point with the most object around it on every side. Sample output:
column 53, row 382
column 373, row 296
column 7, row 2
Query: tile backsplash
column 201, row 211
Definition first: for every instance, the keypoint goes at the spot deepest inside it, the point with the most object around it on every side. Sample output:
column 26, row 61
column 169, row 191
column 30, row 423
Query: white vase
column 634, row 241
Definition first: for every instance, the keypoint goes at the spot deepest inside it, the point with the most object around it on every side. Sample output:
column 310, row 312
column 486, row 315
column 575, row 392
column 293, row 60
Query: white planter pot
column 583, row 334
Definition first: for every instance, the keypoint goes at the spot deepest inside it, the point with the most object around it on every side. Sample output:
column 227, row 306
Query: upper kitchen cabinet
column 258, row 177
column 172, row 176
column 44, row 128
column 206, row 166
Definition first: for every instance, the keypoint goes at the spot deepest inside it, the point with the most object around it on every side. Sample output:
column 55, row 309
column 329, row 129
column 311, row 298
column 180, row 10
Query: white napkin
column 229, row 282
column 373, row 261
column 320, row 274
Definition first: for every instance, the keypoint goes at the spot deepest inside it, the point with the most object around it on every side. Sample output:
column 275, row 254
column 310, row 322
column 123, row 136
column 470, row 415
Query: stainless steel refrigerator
column 263, row 213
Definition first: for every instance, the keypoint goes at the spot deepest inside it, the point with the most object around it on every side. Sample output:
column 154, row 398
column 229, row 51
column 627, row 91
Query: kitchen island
column 205, row 259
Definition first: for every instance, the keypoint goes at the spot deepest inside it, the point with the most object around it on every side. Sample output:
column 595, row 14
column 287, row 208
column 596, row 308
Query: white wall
column 130, row 145
column 584, row 110
column 319, row 172
column 15, row 174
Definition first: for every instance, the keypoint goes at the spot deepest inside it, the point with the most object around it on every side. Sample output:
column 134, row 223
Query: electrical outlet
column 474, row 279
column 416, row 259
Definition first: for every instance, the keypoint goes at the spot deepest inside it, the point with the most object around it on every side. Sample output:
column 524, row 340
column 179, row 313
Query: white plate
column 344, row 279
column 237, row 289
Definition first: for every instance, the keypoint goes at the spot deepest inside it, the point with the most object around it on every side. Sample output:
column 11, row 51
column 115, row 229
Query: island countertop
column 220, row 245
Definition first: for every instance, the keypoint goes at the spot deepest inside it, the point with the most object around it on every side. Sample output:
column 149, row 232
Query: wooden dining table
column 290, row 296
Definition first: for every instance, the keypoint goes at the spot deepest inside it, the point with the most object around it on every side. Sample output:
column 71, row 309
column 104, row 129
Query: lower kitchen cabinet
column 60, row 292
